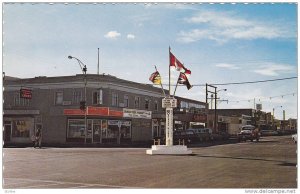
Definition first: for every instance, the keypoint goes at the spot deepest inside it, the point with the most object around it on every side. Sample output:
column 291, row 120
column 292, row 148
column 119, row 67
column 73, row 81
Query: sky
column 219, row 43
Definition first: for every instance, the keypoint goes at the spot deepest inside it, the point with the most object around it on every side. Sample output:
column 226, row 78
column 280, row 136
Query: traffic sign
column 169, row 102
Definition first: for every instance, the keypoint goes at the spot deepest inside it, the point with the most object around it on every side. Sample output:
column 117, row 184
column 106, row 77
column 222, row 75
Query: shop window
column 98, row 97
column 147, row 103
column 58, row 97
column 125, row 129
column 76, row 128
column 137, row 102
column 112, row 129
column 114, row 99
column 77, row 97
column 21, row 127
column 126, row 101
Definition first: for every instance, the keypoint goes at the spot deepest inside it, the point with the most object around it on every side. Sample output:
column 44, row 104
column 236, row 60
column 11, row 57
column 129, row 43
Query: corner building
column 118, row 111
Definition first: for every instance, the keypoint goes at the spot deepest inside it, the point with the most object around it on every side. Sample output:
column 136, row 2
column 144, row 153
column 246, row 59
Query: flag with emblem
column 155, row 78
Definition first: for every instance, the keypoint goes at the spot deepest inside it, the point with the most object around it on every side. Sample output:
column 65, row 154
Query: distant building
column 118, row 111
column 231, row 120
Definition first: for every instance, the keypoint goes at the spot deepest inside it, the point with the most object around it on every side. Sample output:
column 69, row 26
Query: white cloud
column 272, row 69
column 112, row 34
column 130, row 36
column 223, row 26
column 228, row 66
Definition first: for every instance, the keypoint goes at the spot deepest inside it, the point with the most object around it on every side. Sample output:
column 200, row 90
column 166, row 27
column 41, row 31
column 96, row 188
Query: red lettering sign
column 26, row 93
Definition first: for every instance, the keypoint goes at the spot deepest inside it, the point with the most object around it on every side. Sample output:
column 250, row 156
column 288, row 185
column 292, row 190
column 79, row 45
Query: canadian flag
column 174, row 62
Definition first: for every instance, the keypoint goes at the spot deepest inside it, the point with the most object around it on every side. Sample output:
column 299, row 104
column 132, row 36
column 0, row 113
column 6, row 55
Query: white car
column 295, row 137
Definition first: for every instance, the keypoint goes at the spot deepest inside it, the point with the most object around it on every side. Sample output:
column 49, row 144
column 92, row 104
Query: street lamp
column 83, row 69
column 222, row 90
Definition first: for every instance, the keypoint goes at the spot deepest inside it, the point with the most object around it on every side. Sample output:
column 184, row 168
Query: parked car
column 268, row 132
column 248, row 132
column 295, row 138
column 189, row 136
column 204, row 134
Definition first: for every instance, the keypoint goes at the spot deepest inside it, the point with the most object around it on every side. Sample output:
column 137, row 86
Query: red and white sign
column 26, row 93
column 94, row 111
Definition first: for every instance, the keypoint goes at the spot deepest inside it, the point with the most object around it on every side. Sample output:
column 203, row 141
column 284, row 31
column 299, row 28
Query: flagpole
column 169, row 71
column 175, row 88
column 161, row 84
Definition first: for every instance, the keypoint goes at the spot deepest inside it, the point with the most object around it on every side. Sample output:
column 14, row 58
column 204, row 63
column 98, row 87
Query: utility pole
column 215, row 93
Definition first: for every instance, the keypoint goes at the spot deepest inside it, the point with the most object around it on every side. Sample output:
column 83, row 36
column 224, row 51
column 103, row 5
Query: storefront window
column 112, row 129
column 125, row 129
column 21, row 127
column 76, row 128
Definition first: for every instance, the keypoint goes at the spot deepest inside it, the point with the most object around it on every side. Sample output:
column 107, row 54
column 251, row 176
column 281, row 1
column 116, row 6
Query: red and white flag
column 174, row 62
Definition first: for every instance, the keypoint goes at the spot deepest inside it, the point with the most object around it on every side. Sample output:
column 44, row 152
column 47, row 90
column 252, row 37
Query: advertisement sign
column 26, row 93
column 134, row 113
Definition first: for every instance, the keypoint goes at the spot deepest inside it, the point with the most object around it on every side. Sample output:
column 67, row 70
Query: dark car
column 186, row 136
column 248, row 133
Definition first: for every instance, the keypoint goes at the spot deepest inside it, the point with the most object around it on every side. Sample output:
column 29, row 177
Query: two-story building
column 117, row 111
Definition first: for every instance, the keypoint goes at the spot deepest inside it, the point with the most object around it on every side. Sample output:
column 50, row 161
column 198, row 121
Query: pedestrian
column 38, row 138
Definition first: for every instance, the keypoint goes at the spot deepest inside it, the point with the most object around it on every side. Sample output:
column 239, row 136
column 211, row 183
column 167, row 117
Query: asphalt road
column 270, row 163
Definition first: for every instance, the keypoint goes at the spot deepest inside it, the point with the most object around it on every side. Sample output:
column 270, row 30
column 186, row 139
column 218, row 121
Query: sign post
column 169, row 103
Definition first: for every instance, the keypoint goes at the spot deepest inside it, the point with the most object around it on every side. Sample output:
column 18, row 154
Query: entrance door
column 7, row 131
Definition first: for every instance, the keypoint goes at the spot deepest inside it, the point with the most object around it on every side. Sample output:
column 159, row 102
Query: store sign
column 103, row 111
column 95, row 111
column 169, row 103
column 134, row 113
column 115, row 113
column 258, row 106
column 26, row 93
column 119, row 123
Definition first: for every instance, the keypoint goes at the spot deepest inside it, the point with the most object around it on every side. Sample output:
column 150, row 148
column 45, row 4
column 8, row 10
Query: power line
column 248, row 82
column 262, row 98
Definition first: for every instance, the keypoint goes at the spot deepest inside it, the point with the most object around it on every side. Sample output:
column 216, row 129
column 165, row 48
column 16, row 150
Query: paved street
column 270, row 163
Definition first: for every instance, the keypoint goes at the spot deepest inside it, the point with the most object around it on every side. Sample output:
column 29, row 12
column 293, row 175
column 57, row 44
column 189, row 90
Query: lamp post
column 83, row 69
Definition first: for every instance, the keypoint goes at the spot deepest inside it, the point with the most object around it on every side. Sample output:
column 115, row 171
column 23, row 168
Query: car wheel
column 251, row 140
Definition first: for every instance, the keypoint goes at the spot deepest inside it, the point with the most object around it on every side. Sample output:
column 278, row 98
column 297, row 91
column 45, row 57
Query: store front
column 99, row 131
column 18, row 127
column 103, row 126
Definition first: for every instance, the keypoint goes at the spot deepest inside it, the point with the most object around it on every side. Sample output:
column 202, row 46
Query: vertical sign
column 169, row 126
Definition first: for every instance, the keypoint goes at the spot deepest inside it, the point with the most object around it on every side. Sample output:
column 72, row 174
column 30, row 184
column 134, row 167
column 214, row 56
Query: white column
column 169, row 126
